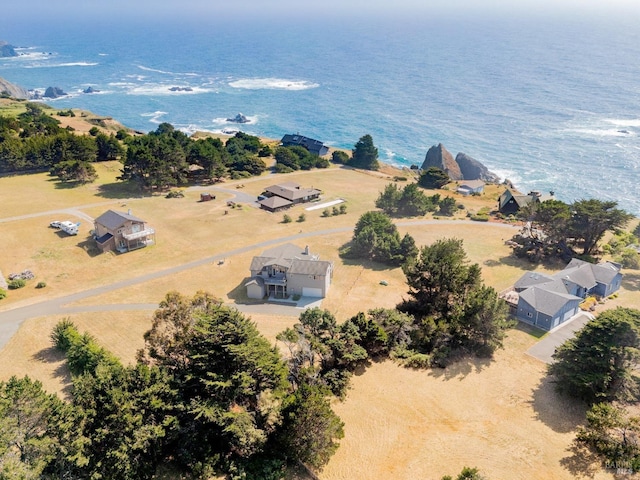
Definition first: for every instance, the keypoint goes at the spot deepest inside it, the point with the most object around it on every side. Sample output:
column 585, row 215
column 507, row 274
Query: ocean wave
column 154, row 117
column 272, row 84
column 622, row 122
column 66, row 64
column 601, row 132
column 165, row 72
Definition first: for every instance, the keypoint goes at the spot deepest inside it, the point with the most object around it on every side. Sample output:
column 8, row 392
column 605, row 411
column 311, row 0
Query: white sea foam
column 601, row 132
column 622, row 122
column 272, row 84
column 224, row 120
column 165, row 89
column 103, row 54
column 165, row 72
column 67, row 64
column 154, row 117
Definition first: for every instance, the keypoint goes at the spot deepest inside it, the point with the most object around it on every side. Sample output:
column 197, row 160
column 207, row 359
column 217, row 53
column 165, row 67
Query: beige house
column 285, row 195
column 122, row 232
column 288, row 270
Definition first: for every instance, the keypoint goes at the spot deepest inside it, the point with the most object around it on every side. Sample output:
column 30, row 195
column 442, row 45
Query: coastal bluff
column 462, row 167
column 14, row 90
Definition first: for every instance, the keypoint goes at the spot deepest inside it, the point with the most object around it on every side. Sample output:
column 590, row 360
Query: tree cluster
column 559, row 229
column 35, row 141
column 411, row 201
column 162, row 159
column 376, row 238
column 208, row 394
column 296, row 157
column 456, row 314
column 600, row 366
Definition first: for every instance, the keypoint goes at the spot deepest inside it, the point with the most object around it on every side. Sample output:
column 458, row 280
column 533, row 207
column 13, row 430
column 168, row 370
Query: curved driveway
column 11, row 319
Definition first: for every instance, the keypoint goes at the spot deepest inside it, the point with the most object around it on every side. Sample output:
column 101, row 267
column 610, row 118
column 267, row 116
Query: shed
column 206, row 197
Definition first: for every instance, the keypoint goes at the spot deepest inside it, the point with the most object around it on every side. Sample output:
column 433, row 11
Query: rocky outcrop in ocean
column 472, row 169
column 54, row 92
column 463, row 167
column 90, row 90
column 239, row 118
column 439, row 157
column 13, row 90
column 7, row 50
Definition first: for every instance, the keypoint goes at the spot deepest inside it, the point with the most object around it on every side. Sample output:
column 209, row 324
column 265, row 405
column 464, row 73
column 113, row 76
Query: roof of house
column 255, row 281
column 310, row 267
column 112, row 219
column 293, row 258
column 529, row 279
column 603, row 272
column 546, row 301
column 275, row 202
column 104, row 238
column 291, row 191
column 314, row 146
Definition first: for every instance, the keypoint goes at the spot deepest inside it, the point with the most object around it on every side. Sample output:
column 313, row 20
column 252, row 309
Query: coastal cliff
column 13, row 90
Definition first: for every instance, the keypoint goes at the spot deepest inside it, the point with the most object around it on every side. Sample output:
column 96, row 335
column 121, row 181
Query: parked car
column 55, row 224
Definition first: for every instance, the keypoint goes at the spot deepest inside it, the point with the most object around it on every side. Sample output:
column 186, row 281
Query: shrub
column 63, row 334
column 17, row 283
column 3, row 293
column 399, row 179
column 41, row 284
column 479, row 218
column 343, row 209
column 418, row 360
column 302, row 217
column 335, row 211
column 326, row 213
column 286, row 218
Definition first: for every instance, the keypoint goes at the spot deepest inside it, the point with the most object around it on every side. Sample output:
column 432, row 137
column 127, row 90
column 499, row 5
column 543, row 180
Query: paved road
column 544, row 349
column 11, row 319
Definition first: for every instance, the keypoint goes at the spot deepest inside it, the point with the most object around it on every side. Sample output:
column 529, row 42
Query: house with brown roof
column 122, row 232
column 287, row 270
column 285, row 195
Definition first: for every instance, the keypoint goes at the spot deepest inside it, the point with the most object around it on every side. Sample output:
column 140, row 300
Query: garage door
column 311, row 292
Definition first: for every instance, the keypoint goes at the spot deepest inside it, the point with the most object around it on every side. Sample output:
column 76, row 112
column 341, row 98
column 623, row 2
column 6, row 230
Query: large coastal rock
column 441, row 158
column 13, row 90
column 7, row 50
column 53, row 92
column 472, row 169
column 239, row 118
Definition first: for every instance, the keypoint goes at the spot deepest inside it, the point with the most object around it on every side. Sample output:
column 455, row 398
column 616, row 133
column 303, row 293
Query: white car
column 55, row 224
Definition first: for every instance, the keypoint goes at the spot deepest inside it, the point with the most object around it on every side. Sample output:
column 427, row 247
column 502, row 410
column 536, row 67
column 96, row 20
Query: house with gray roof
column 546, row 301
column 122, row 232
column 470, row 187
column 285, row 195
column 287, row 270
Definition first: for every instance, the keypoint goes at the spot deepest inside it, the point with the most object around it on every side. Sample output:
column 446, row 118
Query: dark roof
column 310, row 267
column 293, row 258
column 104, row 238
column 112, row 219
column 275, row 202
column 314, row 146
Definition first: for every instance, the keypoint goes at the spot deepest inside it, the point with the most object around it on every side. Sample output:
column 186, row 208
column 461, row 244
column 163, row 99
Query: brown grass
column 501, row 416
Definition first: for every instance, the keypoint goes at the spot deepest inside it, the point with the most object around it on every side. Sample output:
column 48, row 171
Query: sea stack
column 441, row 158
column 472, row 169
column 54, row 92
column 7, row 50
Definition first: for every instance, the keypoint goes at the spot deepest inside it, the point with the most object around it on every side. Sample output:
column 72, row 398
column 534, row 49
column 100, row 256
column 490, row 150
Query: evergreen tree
column 365, row 154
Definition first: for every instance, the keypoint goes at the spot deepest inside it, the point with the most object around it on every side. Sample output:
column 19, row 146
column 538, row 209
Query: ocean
column 551, row 104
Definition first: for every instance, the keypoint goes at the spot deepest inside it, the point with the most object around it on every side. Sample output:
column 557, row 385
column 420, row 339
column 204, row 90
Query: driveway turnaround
column 545, row 348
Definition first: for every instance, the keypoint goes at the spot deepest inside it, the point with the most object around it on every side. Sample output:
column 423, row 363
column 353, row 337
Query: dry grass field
column 501, row 416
